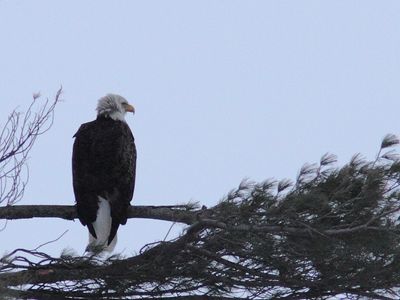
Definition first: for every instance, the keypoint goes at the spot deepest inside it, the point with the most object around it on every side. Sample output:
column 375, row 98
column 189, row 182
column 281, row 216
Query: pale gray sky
column 223, row 90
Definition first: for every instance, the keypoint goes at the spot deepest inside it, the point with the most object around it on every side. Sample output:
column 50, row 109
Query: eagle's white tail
column 102, row 227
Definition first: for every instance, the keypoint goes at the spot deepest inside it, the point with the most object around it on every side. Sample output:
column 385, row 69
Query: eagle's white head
column 114, row 106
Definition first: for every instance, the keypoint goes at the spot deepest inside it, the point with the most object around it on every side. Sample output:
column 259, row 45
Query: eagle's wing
column 103, row 164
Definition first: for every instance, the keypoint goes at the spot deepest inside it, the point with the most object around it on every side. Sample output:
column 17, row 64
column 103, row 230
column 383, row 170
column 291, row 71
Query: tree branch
column 175, row 213
column 17, row 137
column 81, row 268
column 178, row 213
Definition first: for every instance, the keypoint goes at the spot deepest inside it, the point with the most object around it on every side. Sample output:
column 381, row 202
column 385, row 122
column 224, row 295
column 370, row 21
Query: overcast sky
column 223, row 90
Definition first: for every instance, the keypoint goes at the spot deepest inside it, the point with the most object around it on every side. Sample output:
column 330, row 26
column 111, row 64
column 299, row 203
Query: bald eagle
column 103, row 171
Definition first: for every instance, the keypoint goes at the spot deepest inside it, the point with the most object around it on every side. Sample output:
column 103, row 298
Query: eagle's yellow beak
column 129, row 108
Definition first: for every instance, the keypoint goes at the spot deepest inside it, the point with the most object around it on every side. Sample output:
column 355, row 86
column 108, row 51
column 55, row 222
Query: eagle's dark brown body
column 103, row 164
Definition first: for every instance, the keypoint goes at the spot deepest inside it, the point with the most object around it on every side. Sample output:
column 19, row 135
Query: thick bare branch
column 179, row 213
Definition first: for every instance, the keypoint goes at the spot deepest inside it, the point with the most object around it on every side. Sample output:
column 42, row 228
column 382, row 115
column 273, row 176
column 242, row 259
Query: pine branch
column 178, row 213
column 82, row 268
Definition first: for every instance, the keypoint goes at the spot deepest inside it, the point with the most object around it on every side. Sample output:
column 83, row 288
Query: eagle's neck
column 115, row 115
